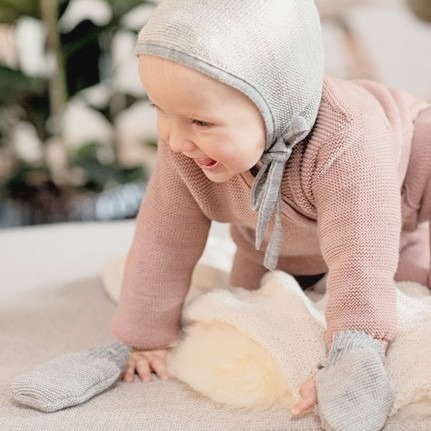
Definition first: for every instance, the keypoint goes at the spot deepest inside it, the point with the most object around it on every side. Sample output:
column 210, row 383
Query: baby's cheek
column 163, row 128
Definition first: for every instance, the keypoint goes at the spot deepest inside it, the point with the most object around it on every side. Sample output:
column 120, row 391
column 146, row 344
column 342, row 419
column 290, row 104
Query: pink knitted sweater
column 347, row 194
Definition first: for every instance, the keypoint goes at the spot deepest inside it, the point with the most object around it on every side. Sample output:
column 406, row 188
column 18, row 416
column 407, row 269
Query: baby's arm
column 144, row 362
column 171, row 232
column 357, row 199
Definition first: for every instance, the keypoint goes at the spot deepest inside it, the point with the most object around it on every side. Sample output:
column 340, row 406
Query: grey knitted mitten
column 353, row 390
column 71, row 379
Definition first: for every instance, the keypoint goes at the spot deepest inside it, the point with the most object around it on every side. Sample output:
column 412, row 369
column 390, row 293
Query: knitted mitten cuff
column 353, row 390
column 347, row 341
column 116, row 352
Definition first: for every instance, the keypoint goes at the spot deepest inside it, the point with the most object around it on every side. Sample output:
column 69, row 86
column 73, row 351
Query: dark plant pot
column 120, row 202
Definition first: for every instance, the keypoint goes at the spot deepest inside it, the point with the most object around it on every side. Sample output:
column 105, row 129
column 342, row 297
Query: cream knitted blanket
column 255, row 348
column 284, row 329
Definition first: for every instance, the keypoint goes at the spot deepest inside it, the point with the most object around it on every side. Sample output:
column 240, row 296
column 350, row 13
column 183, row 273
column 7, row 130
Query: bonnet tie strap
column 266, row 193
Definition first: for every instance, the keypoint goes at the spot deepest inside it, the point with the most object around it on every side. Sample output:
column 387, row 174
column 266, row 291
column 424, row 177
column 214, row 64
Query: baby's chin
column 220, row 179
column 219, row 175
column 222, row 175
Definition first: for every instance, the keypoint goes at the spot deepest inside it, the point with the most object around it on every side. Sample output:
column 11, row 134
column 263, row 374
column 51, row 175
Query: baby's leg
column 245, row 272
column 247, row 267
column 414, row 263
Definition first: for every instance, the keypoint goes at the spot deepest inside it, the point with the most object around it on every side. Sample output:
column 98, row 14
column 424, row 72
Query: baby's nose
column 179, row 143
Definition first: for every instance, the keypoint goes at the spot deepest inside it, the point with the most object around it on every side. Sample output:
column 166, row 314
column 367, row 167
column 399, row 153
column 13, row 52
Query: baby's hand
column 308, row 397
column 144, row 362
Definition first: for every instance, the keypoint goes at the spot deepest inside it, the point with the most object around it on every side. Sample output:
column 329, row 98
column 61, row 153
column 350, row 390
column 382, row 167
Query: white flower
column 97, row 11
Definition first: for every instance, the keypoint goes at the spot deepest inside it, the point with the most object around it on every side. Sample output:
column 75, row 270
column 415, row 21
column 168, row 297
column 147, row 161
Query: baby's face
column 214, row 124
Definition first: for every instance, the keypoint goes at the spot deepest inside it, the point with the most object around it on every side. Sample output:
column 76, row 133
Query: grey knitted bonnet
column 270, row 50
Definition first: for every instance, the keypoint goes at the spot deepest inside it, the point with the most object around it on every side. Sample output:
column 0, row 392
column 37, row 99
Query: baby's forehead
column 156, row 61
column 162, row 68
column 171, row 83
column 151, row 63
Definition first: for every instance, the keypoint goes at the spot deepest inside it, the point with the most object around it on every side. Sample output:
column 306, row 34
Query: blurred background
column 77, row 134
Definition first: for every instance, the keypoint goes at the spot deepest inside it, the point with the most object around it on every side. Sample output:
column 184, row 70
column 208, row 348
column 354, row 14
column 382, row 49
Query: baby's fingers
column 159, row 367
column 144, row 363
column 129, row 374
column 302, row 405
column 143, row 369
column 308, row 398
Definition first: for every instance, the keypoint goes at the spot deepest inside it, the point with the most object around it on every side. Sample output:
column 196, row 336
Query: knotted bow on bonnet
column 270, row 50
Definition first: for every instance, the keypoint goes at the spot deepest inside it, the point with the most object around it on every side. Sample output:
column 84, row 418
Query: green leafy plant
column 81, row 58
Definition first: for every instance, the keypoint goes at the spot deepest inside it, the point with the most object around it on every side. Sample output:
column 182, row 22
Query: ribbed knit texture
column 342, row 194
column 71, row 379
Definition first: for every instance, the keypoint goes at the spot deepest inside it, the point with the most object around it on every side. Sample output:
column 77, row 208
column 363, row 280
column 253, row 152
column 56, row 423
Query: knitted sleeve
column 170, row 235
column 357, row 198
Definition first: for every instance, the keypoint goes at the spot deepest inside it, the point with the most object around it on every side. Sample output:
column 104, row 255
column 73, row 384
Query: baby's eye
column 159, row 111
column 153, row 105
column 200, row 123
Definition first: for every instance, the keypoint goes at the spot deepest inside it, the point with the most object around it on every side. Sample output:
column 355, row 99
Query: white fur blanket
column 285, row 330
column 255, row 348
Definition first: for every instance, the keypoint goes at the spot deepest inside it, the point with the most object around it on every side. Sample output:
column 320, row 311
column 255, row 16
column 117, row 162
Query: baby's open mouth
column 206, row 163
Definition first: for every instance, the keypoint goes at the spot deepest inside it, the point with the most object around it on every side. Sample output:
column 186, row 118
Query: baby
column 315, row 175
